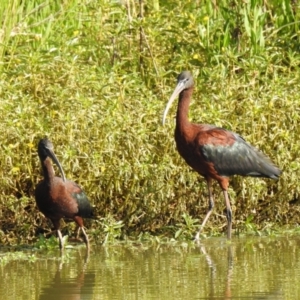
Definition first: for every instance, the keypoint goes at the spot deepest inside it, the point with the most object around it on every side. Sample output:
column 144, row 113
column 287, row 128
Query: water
column 250, row 268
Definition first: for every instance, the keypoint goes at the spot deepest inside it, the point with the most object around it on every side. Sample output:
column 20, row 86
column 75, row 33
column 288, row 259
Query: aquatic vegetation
column 16, row 256
column 50, row 243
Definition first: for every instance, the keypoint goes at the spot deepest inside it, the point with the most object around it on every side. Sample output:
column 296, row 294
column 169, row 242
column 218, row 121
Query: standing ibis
column 214, row 152
column 57, row 197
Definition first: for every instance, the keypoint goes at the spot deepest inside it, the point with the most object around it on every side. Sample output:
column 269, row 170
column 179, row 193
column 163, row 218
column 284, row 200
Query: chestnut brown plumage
column 213, row 152
column 58, row 197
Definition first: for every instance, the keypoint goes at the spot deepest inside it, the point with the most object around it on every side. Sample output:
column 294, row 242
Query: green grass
column 94, row 76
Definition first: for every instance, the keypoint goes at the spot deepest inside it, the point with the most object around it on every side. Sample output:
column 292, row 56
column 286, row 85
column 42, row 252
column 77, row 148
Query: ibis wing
column 84, row 207
column 232, row 155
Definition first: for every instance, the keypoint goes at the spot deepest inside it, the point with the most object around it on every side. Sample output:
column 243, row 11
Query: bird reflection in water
column 64, row 287
column 228, row 293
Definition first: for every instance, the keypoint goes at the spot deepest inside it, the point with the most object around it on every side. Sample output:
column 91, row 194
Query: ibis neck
column 48, row 170
column 182, row 117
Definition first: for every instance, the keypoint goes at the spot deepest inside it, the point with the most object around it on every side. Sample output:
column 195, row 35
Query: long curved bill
column 55, row 160
column 180, row 86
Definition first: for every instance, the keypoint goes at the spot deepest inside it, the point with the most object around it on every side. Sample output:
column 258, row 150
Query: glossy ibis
column 58, row 197
column 214, row 152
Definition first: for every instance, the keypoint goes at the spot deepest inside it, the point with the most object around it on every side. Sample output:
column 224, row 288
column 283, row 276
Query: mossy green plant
column 94, row 76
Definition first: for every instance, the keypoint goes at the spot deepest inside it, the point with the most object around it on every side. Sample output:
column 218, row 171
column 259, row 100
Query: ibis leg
column 228, row 214
column 79, row 222
column 60, row 239
column 86, row 239
column 210, row 208
column 56, row 224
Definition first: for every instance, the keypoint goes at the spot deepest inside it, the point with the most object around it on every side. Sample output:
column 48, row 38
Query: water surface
column 248, row 268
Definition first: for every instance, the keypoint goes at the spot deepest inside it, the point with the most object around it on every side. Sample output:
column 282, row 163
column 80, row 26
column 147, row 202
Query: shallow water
column 250, row 268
